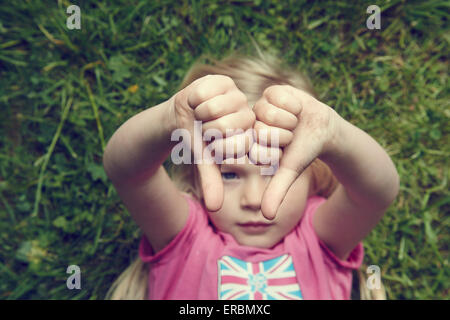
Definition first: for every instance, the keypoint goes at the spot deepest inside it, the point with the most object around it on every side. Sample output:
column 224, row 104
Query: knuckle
column 262, row 111
column 272, row 92
column 283, row 99
column 288, row 88
column 256, row 108
column 213, row 109
column 270, row 115
column 257, row 113
column 201, row 94
column 224, row 80
column 268, row 92
column 221, row 126
column 242, row 97
column 227, row 79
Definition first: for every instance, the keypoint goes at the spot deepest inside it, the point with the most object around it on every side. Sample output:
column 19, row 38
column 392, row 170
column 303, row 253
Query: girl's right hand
column 219, row 104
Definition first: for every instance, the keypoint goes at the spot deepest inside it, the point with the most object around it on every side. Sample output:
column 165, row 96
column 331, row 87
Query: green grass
column 64, row 92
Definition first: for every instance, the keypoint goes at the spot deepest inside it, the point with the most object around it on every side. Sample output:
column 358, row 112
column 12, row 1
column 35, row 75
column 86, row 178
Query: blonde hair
column 251, row 76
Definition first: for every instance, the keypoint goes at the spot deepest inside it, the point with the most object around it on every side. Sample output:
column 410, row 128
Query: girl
column 224, row 230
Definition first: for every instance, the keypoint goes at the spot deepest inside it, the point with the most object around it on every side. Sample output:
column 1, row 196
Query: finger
column 233, row 123
column 209, row 173
column 220, row 105
column 303, row 150
column 282, row 96
column 305, row 99
column 274, row 116
column 260, row 154
column 276, row 191
column 268, row 135
column 236, row 146
column 212, row 184
column 208, row 87
column 300, row 152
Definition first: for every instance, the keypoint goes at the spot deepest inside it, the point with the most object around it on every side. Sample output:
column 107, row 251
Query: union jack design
column 273, row 279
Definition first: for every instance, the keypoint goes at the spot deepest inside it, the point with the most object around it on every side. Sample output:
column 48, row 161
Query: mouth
column 255, row 227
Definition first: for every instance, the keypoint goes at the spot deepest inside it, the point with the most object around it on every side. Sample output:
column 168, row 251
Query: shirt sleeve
column 356, row 256
column 181, row 244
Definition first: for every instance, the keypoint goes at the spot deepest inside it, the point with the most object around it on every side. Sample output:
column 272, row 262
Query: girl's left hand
column 307, row 129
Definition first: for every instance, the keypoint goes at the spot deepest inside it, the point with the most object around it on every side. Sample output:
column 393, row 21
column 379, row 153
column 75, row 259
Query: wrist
column 337, row 140
column 169, row 116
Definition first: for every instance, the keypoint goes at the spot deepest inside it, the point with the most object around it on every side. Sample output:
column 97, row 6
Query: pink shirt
column 206, row 264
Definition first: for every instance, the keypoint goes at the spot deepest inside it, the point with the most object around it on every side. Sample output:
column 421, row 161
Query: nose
column 253, row 191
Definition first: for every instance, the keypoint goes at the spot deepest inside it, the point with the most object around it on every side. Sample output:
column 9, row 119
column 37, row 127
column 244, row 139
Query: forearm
column 362, row 166
column 140, row 145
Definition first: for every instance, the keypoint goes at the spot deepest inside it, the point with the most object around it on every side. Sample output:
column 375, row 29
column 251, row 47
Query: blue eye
column 228, row 175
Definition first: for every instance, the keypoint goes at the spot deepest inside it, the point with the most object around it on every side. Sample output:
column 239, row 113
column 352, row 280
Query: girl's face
column 241, row 214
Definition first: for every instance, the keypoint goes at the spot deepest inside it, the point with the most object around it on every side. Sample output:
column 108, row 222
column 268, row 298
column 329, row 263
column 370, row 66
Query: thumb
column 276, row 191
column 212, row 186
column 211, row 183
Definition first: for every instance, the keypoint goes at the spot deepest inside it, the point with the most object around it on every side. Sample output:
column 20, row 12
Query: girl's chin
column 259, row 241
